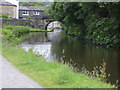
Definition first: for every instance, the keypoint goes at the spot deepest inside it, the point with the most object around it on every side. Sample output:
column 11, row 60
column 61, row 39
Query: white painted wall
column 16, row 2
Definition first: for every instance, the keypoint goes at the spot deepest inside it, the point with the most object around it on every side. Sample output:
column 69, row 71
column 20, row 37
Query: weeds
column 98, row 72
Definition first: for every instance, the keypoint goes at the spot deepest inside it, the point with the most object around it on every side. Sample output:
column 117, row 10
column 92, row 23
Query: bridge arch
column 54, row 24
column 47, row 23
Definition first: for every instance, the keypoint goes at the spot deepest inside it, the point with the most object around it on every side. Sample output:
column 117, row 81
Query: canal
column 57, row 46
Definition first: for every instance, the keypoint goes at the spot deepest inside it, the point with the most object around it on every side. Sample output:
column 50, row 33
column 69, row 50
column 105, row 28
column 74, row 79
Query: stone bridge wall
column 40, row 24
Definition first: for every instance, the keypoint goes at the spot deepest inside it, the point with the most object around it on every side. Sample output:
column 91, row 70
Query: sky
column 13, row 1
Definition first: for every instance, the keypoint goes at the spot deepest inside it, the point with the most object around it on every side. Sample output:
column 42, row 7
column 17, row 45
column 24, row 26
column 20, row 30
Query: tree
column 96, row 21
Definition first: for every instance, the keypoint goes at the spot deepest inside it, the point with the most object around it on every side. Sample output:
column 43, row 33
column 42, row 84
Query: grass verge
column 49, row 74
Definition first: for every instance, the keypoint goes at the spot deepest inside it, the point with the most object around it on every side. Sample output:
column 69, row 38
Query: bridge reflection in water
column 41, row 43
column 54, row 24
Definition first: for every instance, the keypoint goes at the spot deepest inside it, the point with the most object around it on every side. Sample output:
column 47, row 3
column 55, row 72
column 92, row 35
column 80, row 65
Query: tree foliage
column 37, row 4
column 96, row 21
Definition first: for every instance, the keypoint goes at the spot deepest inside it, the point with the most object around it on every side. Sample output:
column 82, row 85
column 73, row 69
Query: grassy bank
column 47, row 74
column 15, row 34
column 23, row 28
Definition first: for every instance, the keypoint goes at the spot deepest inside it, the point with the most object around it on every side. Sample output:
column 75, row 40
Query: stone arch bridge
column 39, row 24
column 50, row 22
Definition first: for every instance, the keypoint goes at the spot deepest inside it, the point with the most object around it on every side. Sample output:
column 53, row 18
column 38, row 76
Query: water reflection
column 52, row 44
column 41, row 43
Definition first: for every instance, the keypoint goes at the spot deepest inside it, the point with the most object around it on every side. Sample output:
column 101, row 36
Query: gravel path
column 12, row 78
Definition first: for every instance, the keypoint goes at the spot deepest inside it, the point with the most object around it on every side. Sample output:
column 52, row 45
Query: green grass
column 15, row 34
column 38, row 30
column 49, row 74
column 22, row 28
column 4, row 16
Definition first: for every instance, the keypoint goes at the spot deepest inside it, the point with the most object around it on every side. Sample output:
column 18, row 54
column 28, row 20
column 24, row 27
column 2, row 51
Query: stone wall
column 31, row 23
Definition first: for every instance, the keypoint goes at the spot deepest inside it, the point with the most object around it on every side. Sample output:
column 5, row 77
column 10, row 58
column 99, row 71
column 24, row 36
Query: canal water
column 54, row 45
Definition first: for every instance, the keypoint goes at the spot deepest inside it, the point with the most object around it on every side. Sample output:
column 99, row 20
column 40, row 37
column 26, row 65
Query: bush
column 4, row 16
column 104, row 32
column 17, row 30
column 97, row 22
column 29, row 18
column 12, row 33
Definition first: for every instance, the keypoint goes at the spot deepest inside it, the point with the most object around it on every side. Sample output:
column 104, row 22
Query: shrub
column 104, row 32
column 28, row 17
column 12, row 33
column 17, row 30
column 4, row 16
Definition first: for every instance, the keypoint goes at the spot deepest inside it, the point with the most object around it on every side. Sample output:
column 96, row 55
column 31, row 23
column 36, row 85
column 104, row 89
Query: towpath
column 13, row 78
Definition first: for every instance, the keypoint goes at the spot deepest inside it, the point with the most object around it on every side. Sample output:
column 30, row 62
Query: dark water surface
column 55, row 44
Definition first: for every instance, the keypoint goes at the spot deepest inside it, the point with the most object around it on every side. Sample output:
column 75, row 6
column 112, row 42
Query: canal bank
column 48, row 74
column 57, row 46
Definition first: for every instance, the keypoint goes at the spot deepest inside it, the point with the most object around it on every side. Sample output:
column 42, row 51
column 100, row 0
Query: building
column 15, row 2
column 8, row 9
column 31, row 12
